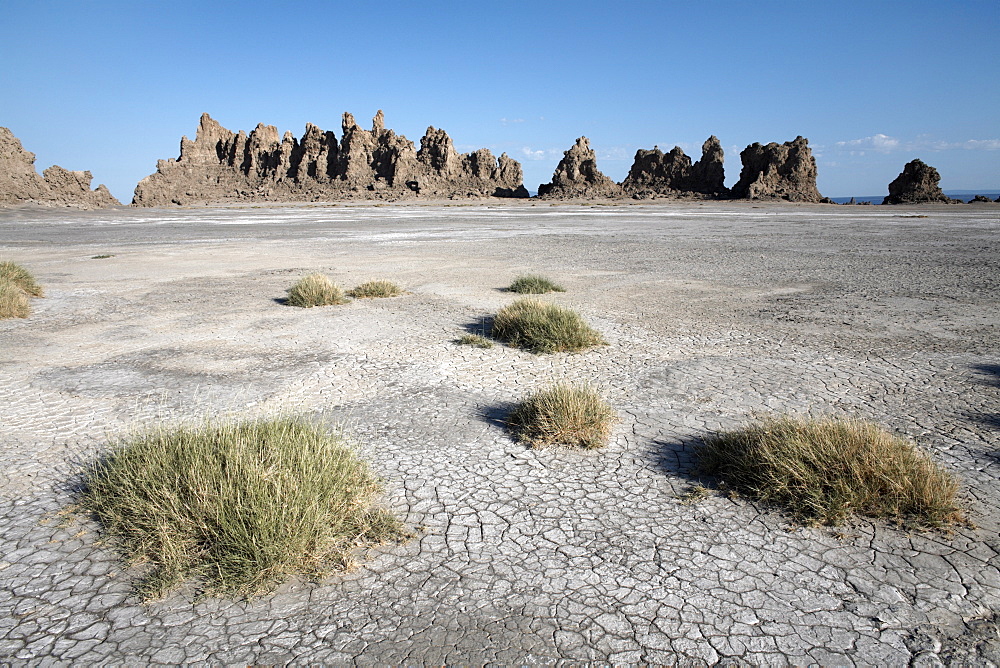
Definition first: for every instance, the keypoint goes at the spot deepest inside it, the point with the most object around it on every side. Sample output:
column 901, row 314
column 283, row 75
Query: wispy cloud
column 508, row 121
column 974, row 145
column 602, row 153
column 877, row 142
column 541, row 154
column 615, row 153
column 881, row 143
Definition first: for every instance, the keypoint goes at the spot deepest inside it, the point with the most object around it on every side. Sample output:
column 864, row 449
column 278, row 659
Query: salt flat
column 714, row 313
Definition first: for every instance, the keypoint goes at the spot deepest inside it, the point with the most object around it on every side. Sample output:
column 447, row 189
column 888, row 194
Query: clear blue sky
column 112, row 86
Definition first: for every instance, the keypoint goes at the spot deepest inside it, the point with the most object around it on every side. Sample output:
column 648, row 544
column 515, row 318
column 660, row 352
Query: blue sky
column 112, row 86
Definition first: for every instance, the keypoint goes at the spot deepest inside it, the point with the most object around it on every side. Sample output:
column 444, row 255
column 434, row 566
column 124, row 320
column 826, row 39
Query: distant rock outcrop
column 981, row 198
column 21, row 184
column 577, row 175
column 918, row 182
column 220, row 165
column 778, row 171
column 655, row 173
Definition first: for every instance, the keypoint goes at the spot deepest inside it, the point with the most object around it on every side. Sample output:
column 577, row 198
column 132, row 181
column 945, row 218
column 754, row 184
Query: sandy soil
column 714, row 313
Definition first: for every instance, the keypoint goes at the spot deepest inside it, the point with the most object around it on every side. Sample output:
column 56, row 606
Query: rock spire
column 577, row 175
column 918, row 182
column 655, row 173
column 21, row 184
column 778, row 171
column 220, row 166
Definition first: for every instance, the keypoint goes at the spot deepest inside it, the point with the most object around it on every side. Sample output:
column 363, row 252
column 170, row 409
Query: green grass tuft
column 21, row 277
column 563, row 415
column 543, row 328
column 531, row 284
column 316, row 290
column 824, row 471
column 14, row 302
column 376, row 289
column 474, row 340
column 237, row 506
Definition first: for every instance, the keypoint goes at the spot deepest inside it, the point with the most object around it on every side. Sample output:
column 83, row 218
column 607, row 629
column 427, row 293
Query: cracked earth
column 714, row 313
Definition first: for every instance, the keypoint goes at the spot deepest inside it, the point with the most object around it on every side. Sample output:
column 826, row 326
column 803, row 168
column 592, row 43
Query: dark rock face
column 918, row 182
column 655, row 173
column 220, row 165
column 778, row 171
column 577, row 176
column 21, row 184
column 980, row 198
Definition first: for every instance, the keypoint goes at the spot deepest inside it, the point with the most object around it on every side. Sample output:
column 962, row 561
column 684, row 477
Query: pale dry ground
column 714, row 312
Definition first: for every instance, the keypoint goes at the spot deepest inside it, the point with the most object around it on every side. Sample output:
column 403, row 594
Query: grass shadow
column 989, row 375
column 482, row 325
column 675, row 457
column 990, row 371
column 496, row 415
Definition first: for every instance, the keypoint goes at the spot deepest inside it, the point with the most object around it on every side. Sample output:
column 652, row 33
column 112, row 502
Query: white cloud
column 615, row 153
column 877, row 142
column 541, row 154
column 885, row 144
column 508, row 121
column 980, row 144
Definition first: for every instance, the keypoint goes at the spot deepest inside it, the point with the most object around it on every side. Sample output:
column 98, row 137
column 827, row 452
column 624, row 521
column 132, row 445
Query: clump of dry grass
column 824, row 471
column 316, row 290
column 14, row 273
column 543, row 328
column 563, row 414
column 532, row 284
column 476, row 340
column 238, row 506
column 16, row 286
column 14, row 302
column 376, row 289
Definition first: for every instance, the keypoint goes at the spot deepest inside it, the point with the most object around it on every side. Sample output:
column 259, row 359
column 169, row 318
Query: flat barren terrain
column 714, row 314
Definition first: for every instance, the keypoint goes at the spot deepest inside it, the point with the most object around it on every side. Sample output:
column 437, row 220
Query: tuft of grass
column 531, row 284
column 376, row 289
column 563, row 414
column 543, row 328
column 316, row 290
column 14, row 302
column 474, row 340
column 21, row 277
column 824, row 471
column 237, row 506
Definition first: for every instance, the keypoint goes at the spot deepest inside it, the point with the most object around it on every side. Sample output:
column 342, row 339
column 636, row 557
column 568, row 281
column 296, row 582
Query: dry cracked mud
column 714, row 313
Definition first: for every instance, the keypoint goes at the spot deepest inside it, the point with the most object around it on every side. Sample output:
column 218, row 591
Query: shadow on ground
column 495, row 415
column 989, row 375
column 676, row 457
column 483, row 326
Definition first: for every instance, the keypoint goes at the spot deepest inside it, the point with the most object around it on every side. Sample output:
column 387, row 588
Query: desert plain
column 715, row 313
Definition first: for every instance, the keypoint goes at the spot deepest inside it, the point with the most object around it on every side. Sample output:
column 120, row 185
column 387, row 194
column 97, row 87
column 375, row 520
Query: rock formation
column 918, row 182
column 220, row 165
column 21, row 184
column 577, row 175
column 671, row 174
column 778, row 171
column 980, row 198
